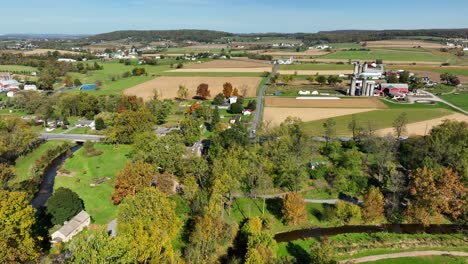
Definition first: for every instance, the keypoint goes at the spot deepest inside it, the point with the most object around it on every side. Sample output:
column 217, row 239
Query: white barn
column 72, row 227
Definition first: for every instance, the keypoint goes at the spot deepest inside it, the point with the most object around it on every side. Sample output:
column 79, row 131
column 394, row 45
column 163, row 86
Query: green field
column 317, row 67
column 379, row 119
column 24, row 163
column 293, row 90
column 387, row 54
column 423, row 260
column 460, row 71
column 85, row 170
column 18, row 68
column 460, row 100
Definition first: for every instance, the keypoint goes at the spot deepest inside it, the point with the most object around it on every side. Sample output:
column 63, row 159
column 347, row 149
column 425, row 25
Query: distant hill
column 42, row 36
column 156, row 35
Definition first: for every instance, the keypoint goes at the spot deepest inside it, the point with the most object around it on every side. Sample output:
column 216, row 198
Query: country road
column 404, row 254
column 435, row 98
column 259, row 110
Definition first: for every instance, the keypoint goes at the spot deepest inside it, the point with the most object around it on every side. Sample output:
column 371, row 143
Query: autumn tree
column 18, row 243
column 208, row 240
column 235, row 92
column 7, row 173
column 150, row 222
column 203, row 91
column 373, row 208
column 132, row 179
column 182, row 92
column 435, row 193
column 63, row 205
column 68, row 81
column 260, row 243
column 294, row 209
column 399, row 124
column 227, row 89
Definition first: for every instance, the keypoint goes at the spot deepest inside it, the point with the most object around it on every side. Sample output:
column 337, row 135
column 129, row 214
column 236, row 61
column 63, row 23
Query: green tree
column 18, row 243
column 150, row 222
column 333, row 79
column 347, row 213
column 399, row 124
column 190, row 128
column 404, row 77
column 322, row 253
column 99, row 123
column 355, row 127
column 219, row 99
column 236, row 108
column 321, row 79
column 215, row 117
column 182, row 92
column 392, row 78
column 63, row 205
column 7, row 173
column 310, row 78
column 329, row 127
column 128, row 124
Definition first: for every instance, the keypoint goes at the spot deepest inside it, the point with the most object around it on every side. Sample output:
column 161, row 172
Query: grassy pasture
column 85, row 170
column 460, row 100
column 423, row 260
column 379, row 119
column 18, row 68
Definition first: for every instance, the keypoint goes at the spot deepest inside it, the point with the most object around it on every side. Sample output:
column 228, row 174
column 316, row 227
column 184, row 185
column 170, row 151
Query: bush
column 219, row 99
column 89, row 150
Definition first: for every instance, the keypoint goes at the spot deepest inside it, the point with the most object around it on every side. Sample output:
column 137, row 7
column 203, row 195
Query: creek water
column 48, row 179
column 390, row 228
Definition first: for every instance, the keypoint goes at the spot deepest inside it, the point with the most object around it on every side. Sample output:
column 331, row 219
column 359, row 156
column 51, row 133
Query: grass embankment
column 379, row 119
column 348, row 246
column 86, row 170
column 24, row 164
column 392, row 55
column 460, row 100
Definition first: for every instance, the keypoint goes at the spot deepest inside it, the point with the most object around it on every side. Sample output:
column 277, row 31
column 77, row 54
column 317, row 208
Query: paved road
column 432, row 97
column 405, row 254
column 259, row 113
column 71, row 137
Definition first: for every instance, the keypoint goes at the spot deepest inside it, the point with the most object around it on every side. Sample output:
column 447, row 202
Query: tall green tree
column 190, row 128
column 63, row 205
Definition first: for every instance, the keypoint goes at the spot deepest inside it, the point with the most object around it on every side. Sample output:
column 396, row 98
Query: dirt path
column 405, row 254
column 423, row 127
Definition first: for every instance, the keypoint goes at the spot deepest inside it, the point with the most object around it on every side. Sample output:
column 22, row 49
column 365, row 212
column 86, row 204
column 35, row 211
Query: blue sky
column 237, row 16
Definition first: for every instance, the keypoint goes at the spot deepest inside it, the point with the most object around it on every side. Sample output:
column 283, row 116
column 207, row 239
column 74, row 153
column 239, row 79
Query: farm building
column 72, row 227
column 393, row 88
column 66, row 60
column 247, row 112
column 88, row 87
column 232, row 99
column 235, row 119
column 30, row 87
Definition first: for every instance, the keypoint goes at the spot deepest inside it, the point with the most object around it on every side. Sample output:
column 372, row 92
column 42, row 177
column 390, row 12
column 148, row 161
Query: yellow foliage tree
column 294, row 209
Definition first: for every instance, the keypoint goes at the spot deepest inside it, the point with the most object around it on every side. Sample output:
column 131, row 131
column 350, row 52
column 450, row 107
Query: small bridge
column 72, row 137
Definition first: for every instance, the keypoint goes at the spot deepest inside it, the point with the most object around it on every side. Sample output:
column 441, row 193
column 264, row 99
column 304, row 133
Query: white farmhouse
column 72, row 227
column 30, row 87
column 66, row 60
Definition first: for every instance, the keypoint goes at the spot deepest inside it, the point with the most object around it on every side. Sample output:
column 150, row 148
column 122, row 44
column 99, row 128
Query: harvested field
column 44, row 51
column 388, row 62
column 167, row 86
column 232, row 63
column 341, row 103
column 259, row 70
column 275, row 115
column 312, row 72
column 404, row 44
column 423, row 127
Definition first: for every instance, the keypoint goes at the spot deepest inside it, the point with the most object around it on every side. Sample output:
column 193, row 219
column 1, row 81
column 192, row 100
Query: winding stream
column 48, row 179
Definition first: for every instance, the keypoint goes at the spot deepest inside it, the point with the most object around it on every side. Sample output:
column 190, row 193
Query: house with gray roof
column 72, row 227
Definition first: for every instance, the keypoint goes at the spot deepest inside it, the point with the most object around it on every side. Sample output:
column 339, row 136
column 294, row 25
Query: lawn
column 423, row 260
column 23, row 164
column 85, row 170
column 317, row 67
column 16, row 68
column 379, row 119
column 460, row 100
column 389, row 55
